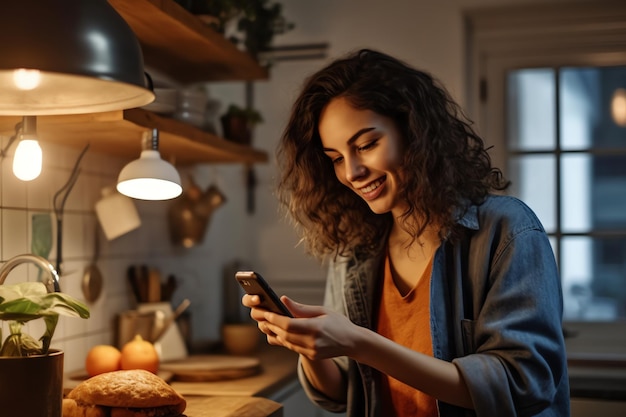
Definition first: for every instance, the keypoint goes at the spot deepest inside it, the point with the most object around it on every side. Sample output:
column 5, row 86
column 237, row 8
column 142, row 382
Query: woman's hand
column 314, row 332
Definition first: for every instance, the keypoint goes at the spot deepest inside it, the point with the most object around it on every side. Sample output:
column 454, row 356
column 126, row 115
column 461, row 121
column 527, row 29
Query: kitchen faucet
column 51, row 282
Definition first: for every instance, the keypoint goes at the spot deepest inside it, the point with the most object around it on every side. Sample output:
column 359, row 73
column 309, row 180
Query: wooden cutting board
column 232, row 406
column 198, row 368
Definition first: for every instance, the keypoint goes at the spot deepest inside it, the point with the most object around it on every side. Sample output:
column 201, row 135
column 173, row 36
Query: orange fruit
column 140, row 354
column 101, row 359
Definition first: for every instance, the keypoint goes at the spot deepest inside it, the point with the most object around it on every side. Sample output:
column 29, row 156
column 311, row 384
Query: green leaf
column 51, row 324
column 22, row 289
column 26, row 301
column 20, row 345
column 65, row 305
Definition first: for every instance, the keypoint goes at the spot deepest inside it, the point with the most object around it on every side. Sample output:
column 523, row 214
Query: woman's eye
column 335, row 158
column 368, row 145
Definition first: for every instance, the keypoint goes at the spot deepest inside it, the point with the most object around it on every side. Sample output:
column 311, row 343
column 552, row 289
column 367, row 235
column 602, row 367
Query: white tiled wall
column 199, row 270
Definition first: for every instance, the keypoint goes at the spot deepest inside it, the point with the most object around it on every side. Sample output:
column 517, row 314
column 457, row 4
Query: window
column 547, row 88
column 567, row 160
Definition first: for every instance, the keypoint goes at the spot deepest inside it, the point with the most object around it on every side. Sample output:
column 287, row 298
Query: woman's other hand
column 315, row 332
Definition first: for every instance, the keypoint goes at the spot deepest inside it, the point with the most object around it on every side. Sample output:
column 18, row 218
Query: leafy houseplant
column 258, row 21
column 26, row 301
column 31, row 373
column 238, row 123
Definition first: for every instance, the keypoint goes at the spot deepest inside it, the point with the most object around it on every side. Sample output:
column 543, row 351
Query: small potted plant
column 31, row 373
column 257, row 21
column 238, row 123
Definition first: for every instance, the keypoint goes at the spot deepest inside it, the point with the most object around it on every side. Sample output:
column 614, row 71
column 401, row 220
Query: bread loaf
column 127, row 393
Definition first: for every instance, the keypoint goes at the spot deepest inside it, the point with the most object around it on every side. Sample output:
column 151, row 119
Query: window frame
column 505, row 38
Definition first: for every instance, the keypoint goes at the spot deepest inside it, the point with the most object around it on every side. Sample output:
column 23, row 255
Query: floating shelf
column 183, row 47
column 119, row 133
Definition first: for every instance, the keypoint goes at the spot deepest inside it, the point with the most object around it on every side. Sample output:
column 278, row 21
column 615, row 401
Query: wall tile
column 39, row 193
column 15, row 229
column 14, row 191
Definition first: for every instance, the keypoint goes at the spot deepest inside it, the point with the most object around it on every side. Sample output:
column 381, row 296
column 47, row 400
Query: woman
column 443, row 298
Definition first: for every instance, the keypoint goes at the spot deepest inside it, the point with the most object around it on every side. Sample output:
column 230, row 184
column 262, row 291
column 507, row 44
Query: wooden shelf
column 119, row 133
column 183, row 47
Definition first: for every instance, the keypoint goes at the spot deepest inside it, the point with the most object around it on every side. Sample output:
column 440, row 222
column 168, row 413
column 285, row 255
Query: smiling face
column 366, row 150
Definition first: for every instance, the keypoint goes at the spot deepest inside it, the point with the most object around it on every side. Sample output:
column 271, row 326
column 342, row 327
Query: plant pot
column 236, row 129
column 32, row 386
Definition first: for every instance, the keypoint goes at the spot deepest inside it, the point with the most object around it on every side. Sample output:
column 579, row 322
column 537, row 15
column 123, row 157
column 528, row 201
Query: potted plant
column 238, row 123
column 257, row 21
column 31, row 373
column 260, row 22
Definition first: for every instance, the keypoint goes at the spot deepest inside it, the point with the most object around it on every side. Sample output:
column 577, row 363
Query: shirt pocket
column 467, row 328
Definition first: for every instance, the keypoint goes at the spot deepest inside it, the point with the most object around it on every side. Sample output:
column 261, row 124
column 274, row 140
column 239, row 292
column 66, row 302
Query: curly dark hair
column 446, row 164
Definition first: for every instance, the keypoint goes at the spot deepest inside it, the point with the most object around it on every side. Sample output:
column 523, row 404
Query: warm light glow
column 149, row 189
column 26, row 79
column 27, row 160
column 618, row 107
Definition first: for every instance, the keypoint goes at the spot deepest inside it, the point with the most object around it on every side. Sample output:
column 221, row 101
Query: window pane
column 593, row 193
column 533, row 181
column 593, row 273
column 609, row 192
column 531, row 109
column 590, row 117
column 576, row 181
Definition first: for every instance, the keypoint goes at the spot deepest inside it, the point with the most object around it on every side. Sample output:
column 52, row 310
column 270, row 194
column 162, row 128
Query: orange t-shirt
column 406, row 320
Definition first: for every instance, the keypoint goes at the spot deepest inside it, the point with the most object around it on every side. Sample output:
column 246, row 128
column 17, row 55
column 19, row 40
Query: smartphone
column 254, row 284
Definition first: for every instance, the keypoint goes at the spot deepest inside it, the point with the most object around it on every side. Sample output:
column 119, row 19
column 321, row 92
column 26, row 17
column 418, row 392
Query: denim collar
column 468, row 216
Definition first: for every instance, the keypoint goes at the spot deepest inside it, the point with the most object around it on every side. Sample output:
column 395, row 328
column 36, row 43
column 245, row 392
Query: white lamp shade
column 149, row 178
column 27, row 160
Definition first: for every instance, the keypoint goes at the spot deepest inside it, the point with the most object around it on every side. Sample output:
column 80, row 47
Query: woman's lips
column 373, row 189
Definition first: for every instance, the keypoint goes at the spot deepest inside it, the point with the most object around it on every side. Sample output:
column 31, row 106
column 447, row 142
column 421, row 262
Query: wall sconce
column 27, row 160
column 82, row 58
column 618, row 107
column 150, row 177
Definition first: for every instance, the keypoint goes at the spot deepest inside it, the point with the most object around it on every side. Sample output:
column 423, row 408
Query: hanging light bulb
column 150, row 177
column 27, row 160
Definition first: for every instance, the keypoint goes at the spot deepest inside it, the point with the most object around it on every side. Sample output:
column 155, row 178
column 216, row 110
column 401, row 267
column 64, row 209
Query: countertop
column 237, row 397
column 597, row 376
column 232, row 406
column 278, row 368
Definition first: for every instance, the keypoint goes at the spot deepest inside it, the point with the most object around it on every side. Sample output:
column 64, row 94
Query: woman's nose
column 354, row 169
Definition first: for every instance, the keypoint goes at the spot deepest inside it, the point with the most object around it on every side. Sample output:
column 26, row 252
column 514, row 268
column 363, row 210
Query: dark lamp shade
column 80, row 56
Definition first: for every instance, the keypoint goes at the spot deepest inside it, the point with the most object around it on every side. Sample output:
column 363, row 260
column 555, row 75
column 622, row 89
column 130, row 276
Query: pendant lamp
column 150, row 177
column 68, row 57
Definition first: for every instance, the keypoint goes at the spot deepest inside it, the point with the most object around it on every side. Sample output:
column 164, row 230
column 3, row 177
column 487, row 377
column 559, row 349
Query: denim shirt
column 496, row 314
